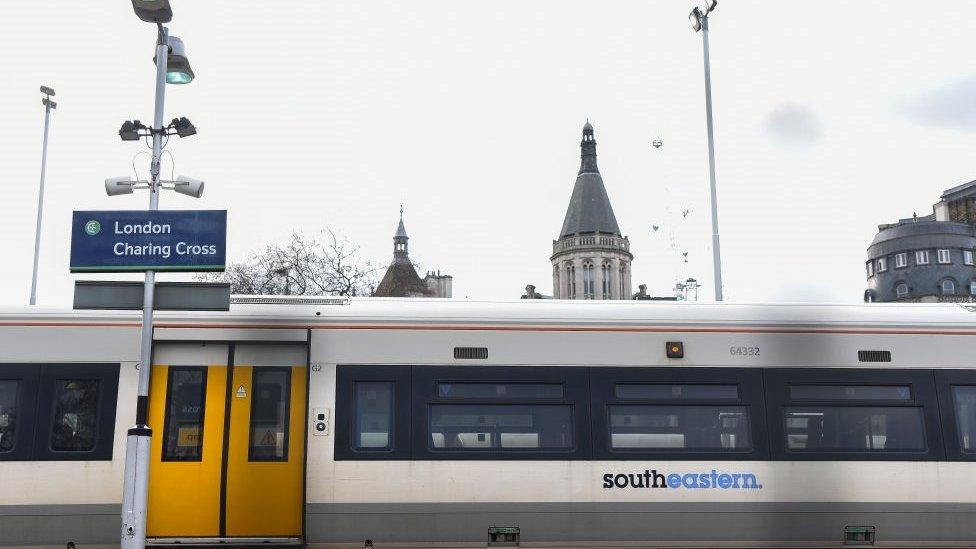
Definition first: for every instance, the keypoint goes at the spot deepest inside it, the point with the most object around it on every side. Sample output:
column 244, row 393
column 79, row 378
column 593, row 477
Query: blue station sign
column 142, row 240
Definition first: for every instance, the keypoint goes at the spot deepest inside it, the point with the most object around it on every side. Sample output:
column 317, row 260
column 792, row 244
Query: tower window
column 922, row 257
column 901, row 290
column 588, row 282
column 882, row 264
column 901, row 260
column 870, row 268
column 944, row 256
column 607, row 273
column 967, row 257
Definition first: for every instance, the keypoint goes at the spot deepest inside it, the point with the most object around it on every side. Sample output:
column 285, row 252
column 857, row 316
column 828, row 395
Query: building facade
column 401, row 278
column 929, row 258
column 591, row 258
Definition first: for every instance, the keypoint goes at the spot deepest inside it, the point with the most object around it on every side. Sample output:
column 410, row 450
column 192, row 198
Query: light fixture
column 183, row 127
column 153, row 11
column 710, row 5
column 696, row 19
column 188, row 186
column 130, row 130
column 115, row 186
column 178, row 69
column 47, row 91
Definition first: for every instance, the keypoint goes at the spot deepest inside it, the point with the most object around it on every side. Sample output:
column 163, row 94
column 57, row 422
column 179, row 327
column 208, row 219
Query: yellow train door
column 228, row 442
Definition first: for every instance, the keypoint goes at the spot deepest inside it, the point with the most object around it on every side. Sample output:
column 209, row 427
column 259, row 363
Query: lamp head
column 178, row 69
column 47, row 91
column 695, row 17
column 153, row 11
column 183, row 127
column 115, row 186
column 130, row 130
column 188, row 186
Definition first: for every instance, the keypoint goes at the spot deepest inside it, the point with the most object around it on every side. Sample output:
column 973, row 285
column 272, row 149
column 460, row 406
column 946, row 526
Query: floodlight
column 696, row 19
column 153, row 11
column 130, row 130
column 47, row 91
column 188, row 186
column 178, row 69
column 183, row 127
column 119, row 185
column 710, row 5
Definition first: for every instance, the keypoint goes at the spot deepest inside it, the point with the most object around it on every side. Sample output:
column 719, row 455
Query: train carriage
column 330, row 422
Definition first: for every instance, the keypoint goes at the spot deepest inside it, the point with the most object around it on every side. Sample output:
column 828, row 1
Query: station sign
column 142, row 240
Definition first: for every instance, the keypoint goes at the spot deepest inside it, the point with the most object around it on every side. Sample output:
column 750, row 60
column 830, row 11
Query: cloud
column 793, row 126
column 951, row 106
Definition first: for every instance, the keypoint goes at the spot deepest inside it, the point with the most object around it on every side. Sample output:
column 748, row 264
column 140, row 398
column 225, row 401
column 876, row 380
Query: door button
column 321, row 423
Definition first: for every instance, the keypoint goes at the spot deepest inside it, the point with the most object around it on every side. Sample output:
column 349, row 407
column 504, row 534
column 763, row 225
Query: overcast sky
column 830, row 118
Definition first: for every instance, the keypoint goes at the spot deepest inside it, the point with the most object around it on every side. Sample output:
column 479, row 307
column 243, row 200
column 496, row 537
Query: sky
column 830, row 118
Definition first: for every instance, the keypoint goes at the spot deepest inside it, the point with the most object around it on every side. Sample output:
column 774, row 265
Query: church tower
column 590, row 258
column 401, row 278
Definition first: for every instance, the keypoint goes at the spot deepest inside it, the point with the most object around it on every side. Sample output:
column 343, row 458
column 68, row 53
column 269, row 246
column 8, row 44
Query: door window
column 269, row 414
column 183, row 438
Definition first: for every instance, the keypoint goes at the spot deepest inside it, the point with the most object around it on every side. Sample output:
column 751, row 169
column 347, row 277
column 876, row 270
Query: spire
column 400, row 239
column 588, row 150
column 589, row 208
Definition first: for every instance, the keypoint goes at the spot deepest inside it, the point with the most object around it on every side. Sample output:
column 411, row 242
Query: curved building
column 591, row 258
column 927, row 259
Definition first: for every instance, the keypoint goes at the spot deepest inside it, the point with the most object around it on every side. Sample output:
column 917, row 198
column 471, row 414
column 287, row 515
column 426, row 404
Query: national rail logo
column 93, row 227
column 714, row 480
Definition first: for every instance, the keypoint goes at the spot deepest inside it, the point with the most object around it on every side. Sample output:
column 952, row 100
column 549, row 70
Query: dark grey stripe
column 641, row 507
column 114, row 509
column 56, row 525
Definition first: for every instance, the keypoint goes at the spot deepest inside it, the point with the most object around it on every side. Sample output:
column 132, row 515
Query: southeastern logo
column 93, row 227
column 713, row 479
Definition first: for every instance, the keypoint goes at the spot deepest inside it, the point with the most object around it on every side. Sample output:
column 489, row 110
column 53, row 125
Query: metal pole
column 40, row 203
column 136, row 486
column 716, row 248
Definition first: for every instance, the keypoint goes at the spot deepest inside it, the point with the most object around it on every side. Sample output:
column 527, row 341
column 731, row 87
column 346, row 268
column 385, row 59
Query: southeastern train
column 425, row 422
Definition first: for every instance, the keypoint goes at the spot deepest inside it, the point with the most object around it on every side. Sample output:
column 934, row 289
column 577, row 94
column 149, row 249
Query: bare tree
column 327, row 265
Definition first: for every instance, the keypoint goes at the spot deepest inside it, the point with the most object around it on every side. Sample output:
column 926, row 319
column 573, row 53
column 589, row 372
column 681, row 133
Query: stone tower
column 401, row 278
column 591, row 258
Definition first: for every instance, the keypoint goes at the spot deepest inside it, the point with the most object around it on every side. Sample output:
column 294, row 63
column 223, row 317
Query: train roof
column 315, row 312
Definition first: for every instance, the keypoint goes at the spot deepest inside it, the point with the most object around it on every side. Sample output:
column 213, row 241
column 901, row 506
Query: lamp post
column 48, row 107
column 168, row 49
column 699, row 22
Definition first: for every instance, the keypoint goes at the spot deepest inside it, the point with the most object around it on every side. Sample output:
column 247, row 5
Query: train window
column 964, row 399
column 8, row 414
column 679, row 428
column 847, row 414
column 183, row 425
column 500, row 390
column 374, row 424
column 75, row 424
column 661, row 391
column 854, row 429
column 850, row 392
column 271, row 395
column 500, row 427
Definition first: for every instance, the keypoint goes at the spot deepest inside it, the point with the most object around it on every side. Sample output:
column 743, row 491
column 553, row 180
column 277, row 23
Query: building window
column 623, row 286
column 922, row 257
column 944, row 256
column 571, row 282
column 882, row 264
column 948, row 287
column 870, row 268
column 901, row 260
column 588, row 282
column 901, row 290
column 972, row 288
column 607, row 273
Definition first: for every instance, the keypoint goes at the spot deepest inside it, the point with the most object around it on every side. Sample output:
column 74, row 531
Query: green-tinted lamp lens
column 179, row 77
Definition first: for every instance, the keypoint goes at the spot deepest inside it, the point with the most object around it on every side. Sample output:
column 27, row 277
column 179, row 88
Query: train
column 372, row 422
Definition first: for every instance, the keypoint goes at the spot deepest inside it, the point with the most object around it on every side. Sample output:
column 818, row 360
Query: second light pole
column 699, row 22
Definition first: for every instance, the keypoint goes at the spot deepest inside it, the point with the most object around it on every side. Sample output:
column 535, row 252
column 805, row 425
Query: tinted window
column 670, row 391
column 854, row 428
column 679, row 427
column 964, row 397
column 186, row 390
column 500, row 427
column 850, row 392
column 500, row 390
column 270, row 396
column 374, row 415
column 75, row 418
column 8, row 414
